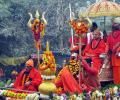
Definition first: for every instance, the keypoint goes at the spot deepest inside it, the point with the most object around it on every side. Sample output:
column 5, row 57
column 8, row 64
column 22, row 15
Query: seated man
column 92, row 52
column 95, row 49
column 67, row 77
column 29, row 78
column 89, row 77
column 92, row 29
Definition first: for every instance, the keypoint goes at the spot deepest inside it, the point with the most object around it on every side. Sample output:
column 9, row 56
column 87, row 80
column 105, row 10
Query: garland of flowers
column 25, row 79
column 37, row 26
column 73, row 67
column 79, row 26
column 48, row 62
column 110, row 92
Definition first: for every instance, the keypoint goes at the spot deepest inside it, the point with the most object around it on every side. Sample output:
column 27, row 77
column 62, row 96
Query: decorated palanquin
column 47, row 69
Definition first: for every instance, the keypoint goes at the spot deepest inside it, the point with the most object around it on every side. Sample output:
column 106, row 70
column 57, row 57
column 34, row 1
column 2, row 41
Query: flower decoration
column 48, row 60
column 80, row 27
column 37, row 26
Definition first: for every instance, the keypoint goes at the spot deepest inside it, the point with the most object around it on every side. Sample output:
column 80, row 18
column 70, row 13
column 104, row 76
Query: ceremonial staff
column 37, row 26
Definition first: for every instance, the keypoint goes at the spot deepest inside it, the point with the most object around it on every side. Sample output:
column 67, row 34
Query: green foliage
column 2, row 84
column 4, row 10
column 50, row 95
column 9, row 82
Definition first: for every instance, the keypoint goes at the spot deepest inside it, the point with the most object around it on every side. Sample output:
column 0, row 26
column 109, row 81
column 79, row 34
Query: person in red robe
column 92, row 62
column 95, row 49
column 113, row 43
column 29, row 78
column 67, row 77
column 76, row 40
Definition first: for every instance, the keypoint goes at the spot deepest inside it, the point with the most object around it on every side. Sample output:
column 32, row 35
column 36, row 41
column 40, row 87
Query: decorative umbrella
column 102, row 8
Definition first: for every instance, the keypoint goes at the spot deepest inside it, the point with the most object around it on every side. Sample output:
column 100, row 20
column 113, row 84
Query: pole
column 80, row 45
column 104, row 22
column 38, row 51
column 38, row 54
column 72, row 44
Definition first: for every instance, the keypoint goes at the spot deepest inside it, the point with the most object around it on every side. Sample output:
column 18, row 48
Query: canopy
column 102, row 8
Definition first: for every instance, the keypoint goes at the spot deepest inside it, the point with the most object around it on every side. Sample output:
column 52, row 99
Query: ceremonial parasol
column 102, row 8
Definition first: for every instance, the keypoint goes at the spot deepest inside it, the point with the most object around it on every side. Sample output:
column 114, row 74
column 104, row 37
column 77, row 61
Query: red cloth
column 113, row 44
column 113, row 39
column 76, row 40
column 89, row 78
column 68, row 82
column 35, row 80
column 95, row 52
column 116, row 74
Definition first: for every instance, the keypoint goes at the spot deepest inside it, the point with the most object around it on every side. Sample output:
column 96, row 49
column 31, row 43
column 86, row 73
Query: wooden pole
column 38, row 52
column 104, row 22
column 80, row 45
column 71, row 28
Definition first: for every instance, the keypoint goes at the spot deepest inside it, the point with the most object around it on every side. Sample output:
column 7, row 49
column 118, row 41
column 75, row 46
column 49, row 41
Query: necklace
column 94, row 46
column 25, row 79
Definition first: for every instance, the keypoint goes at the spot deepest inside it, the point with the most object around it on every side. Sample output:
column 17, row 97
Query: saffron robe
column 35, row 77
column 95, row 51
column 90, row 76
column 68, row 82
column 113, row 43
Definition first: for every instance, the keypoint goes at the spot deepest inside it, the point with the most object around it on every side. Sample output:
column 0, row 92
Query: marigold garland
column 25, row 79
column 37, row 26
column 73, row 67
column 48, row 62
column 79, row 26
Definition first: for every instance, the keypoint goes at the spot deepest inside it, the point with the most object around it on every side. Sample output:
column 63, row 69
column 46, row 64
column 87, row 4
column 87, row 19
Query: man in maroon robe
column 29, row 78
column 113, row 44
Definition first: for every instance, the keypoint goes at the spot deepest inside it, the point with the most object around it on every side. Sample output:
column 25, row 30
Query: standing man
column 29, row 78
column 113, row 44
